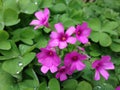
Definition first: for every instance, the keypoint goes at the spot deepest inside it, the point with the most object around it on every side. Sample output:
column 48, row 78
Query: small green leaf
column 95, row 36
column 25, row 48
column 59, row 8
column 84, row 86
column 27, row 33
column 105, row 40
column 5, row 45
column 47, row 30
column 10, row 17
column 27, row 85
column 95, row 24
column 54, row 84
column 7, row 80
column 107, row 26
column 3, row 35
column 15, row 66
column 43, row 86
column 46, row 3
column 115, row 47
column 11, row 4
column 104, row 86
column 70, row 84
column 27, row 6
column 27, row 41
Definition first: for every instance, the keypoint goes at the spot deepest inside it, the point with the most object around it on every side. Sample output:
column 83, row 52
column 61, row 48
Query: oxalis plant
column 59, row 45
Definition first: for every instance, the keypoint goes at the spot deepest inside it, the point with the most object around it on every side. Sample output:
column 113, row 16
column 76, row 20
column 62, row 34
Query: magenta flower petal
column 108, row 66
column 53, row 35
column 59, row 27
column 35, row 22
column 62, row 45
column 84, row 25
column 80, row 66
column 70, row 31
column 44, row 69
column 63, row 77
column 71, row 40
column 118, row 88
column 39, row 15
column 46, row 11
column 97, row 75
column 83, row 39
column 102, row 65
column 82, row 33
column 42, row 17
column 74, row 61
column 53, row 69
column 53, row 43
column 104, row 73
column 106, row 58
column 49, row 59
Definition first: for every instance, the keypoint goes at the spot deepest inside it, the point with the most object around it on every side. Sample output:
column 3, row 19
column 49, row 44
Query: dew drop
column 36, row 3
column 20, row 64
column 98, row 87
column 17, row 72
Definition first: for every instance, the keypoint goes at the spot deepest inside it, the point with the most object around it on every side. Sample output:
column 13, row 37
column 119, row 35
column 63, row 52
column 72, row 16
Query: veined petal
column 39, row 15
column 73, row 67
column 83, row 39
column 108, row 66
column 97, row 75
column 57, row 75
column 106, row 58
column 71, row 40
column 84, row 25
column 36, row 27
column 35, row 22
column 53, row 69
column 80, row 66
column 46, row 11
column 86, row 32
column 63, row 77
column 53, row 43
column 62, row 45
column 53, row 35
column 104, row 73
column 70, row 31
column 59, row 27
column 95, row 63
column 44, row 69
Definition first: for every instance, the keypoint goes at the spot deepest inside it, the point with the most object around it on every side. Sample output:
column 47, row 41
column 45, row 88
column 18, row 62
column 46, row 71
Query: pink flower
column 83, row 32
column 118, row 88
column 101, row 66
column 49, row 59
column 74, row 61
column 60, row 38
column 62, row 73
column 42, row 19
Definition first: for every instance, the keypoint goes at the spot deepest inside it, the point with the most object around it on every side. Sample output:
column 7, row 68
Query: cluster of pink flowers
column 74, row 60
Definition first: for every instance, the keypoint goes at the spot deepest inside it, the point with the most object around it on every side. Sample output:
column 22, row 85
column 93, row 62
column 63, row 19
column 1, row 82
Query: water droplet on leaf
column 36, row 3
column 17, row 72
column 20, row 64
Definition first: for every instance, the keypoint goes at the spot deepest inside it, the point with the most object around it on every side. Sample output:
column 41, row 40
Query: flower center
column 63, row 37
column 62, row 70
column 74, row 58
column 78, row 32
column 50, row 53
